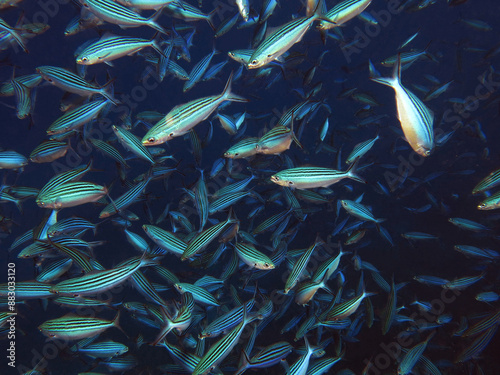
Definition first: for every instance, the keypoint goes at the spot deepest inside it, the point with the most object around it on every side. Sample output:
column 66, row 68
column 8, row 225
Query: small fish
column 183, row 118
column 313, row 177
column 415, row 118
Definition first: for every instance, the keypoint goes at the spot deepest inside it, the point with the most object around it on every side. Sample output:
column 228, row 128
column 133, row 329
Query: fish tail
column 151, row 21
column 228, row 95
column 209, row 18
column 351, row 173
column 396, row 75
column 107, row 94
column 294, row 137
column 155, row 44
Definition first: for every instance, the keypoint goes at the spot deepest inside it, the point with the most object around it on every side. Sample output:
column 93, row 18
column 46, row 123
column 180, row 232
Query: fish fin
column 228, row 95
column 351, row 172
column 209, row 18
column 108, row 95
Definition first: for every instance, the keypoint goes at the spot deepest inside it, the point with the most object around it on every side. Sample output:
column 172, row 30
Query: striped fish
column 70, row 194
column 125, row 200
column 343, row 12
column 132, row 143
column 300, row 265
column 72, row 327
column 100, row 281
column 198, row 71
column 243, row 149
column 226, row 321
column 29, row 81
column 27, row 290
column 305, row 292
column 104, row 349
column 77, row 117
column 277, row 140
column 346, row 308
column 12, row 32
column 24, row 99
column 221, row 349
column 266, row 357
column 12, row 160
column 202, row 240
column 282, row 39
column 463, row 282
column 118, row 14
column 182, row 319
column 73, row 83
column 300, row 366
column 490, row 203
column 64, row 177
column 412, row 356
column 48, row 151
column 184, row 117
column 415, row 118
column 253, row 257
column 112, row 47
column 166, row 240
column 199, row 294
column 313, row 177
column 360, row 149
column 109, row 150
column 487, row 183
column 359, row 211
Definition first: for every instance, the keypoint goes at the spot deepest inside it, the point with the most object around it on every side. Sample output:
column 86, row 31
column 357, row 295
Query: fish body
column 312, row 177
column 111, row 47
column 182, row 118
column 415, row 118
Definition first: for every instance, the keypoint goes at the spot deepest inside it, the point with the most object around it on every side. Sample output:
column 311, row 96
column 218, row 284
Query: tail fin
column 351, row 173
column 156, row 45
column 396, row 75
column 107, row 94
column 293, row 134
column 228, row 95
column 209, row 18
column 151, row 21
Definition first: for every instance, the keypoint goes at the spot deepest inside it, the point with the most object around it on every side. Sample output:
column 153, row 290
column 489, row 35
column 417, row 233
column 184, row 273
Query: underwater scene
column 249, row 186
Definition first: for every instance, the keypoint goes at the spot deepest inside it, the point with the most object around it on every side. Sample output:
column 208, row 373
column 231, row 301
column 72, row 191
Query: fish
column 416, row 119
column 118, row 14
column 111, row 47
column 282, row 39
column 70, row 194
column 183, row 118
column 71, row 82
column 313, row 177
column 72, row 327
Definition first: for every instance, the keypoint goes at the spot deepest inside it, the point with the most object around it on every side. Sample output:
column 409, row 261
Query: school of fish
column 253, row 207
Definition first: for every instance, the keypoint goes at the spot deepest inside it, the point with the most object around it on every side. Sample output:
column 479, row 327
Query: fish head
column 84, row 60
column 278, row 180
column 424, row 150
column 156, row 140
column 256, row 63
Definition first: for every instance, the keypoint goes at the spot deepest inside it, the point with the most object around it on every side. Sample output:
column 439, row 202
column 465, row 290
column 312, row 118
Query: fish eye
column 254, row 62
column 266, row 265
column 151, row 139
column 236, row 154
column 290, row 182
column 84, row 59
column 171, row 135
